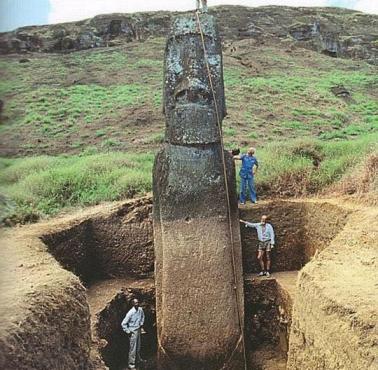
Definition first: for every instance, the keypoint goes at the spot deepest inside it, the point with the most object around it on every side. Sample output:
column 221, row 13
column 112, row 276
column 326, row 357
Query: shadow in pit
column 267, row 323
column 121, row 245
column 108, row 327
column 301, row 229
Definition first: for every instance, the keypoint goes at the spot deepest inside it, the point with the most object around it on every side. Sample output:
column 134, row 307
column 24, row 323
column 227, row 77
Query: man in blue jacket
column 132, row 325
column 247, row 172
column 265, row 235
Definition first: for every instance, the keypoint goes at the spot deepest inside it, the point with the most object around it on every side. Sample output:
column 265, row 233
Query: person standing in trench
column 265, row 235
column 247, row 173
column 132, row 325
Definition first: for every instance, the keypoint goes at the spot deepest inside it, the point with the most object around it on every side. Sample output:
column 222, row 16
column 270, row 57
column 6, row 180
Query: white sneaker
column 267, row 274
column 262, row 273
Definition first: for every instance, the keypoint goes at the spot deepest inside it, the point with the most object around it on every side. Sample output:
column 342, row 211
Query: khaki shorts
column 264, row 246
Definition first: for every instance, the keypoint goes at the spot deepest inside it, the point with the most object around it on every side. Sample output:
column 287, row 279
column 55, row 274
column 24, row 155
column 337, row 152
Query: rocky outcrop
column 333, row 31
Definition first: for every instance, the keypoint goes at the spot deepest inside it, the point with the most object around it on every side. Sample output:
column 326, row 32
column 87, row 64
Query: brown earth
column 336, row 295
column 301, row 228
column 114, row 244
column 335, row 311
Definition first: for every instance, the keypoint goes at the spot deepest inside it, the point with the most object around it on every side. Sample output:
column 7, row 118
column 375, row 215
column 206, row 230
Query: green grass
column 44, row 185
column 46, row 106
column 291, row 164
column 54, row 99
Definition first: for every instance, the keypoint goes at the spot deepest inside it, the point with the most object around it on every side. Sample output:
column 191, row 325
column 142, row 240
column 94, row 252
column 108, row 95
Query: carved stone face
column 188, row 99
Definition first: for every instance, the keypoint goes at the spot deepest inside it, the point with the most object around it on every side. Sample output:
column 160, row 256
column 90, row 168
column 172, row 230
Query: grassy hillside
column 44, row 185
column 93, row 119
column 111, row 98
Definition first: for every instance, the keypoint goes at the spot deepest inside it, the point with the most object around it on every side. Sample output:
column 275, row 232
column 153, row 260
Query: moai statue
column 204, row 5
column 198, row 268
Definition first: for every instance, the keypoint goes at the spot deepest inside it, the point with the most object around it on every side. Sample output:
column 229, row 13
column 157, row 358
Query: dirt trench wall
column 335, row 316
column 268, row 314
column 120, row 243
column 301, row 228
column 115, row 244
column 114, row 343
column 287, row 220
column 124, row 240
column 45, row 321
column 75, row 249
column 322, row 223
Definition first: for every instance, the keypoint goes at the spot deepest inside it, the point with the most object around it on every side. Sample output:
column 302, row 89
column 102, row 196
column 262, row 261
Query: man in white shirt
column 132, row 325
column 265, row 234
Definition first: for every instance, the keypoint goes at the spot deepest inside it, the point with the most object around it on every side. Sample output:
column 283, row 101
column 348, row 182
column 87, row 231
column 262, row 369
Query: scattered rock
column 341, row 92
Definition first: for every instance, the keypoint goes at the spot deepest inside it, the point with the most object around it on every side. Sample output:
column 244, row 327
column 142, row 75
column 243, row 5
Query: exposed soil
column 35, row 290
column 267, row 308
column 109, row 300
column 301, row 228
column 335, row 315
column 118, row 244
column 45, row 321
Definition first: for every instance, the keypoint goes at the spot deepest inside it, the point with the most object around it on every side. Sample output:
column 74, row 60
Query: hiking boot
column 262, row 273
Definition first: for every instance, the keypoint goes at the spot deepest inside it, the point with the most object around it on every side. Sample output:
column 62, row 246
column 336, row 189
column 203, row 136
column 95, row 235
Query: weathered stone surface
column 333, row 31
column 198, row 263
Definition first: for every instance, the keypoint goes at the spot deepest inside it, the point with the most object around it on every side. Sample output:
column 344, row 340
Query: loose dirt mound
column 44, row 313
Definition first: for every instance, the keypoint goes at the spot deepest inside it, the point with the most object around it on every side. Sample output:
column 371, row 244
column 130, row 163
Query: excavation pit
column 112, row 252
column 106, row 251
column 109, row 300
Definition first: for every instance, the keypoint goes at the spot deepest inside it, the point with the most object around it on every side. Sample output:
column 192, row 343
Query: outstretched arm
column 249, row 224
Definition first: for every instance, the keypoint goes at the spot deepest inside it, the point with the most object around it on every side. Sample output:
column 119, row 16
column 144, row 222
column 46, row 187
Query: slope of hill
column 111, row 97
column 278, row 89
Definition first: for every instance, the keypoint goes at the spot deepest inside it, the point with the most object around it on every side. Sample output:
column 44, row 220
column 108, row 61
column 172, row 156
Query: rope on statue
column 241, row 338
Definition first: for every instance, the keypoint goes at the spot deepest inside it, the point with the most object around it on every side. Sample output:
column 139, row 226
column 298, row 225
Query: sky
column 17, row 13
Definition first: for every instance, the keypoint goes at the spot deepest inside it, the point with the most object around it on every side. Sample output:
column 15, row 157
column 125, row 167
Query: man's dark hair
column 235, row 151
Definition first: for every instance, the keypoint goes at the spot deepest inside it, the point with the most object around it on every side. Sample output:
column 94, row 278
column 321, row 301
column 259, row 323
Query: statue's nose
column 192, row 91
